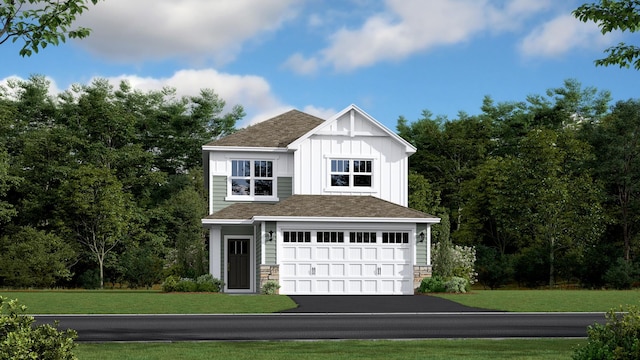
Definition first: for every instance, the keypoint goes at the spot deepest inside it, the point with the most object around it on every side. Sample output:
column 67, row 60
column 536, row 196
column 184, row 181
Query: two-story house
column 318, row 205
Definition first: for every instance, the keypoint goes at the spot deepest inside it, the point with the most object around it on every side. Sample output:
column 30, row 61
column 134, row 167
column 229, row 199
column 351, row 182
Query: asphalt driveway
column 376, row 304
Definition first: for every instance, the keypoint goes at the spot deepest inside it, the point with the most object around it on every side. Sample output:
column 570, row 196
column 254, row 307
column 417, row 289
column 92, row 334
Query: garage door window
column 296, row 236
column 362, row 237
column 330, row 237
column 395, row 238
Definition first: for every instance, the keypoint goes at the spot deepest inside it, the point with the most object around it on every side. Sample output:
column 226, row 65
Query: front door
column 239, row 266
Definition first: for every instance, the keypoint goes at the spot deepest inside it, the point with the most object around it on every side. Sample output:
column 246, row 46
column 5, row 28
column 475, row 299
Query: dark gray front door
column 239, row 266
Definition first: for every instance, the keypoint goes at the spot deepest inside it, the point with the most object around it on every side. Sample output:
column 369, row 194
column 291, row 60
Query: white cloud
column 197, row 30
column 562, row 35
column 301, row 65
column 411, row 26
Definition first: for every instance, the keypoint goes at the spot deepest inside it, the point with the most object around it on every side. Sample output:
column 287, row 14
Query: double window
column 252, row 178
column 351, row 173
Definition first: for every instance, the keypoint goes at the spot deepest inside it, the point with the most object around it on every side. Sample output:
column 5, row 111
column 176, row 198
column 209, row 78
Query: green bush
column 170, row 283
column 20, row 339
column 207, row 283
column 186, row 285
column 618, row 339
column 621, row 276
column 457, row 285
column 204, row 283
column 432, row 284
column 270, row 287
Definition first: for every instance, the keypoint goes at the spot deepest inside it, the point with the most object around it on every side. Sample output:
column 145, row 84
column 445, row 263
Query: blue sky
column 391, row 58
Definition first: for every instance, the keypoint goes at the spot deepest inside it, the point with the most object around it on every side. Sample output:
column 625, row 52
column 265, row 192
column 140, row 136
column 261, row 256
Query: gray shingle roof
column 321, row 206
column 279, row 131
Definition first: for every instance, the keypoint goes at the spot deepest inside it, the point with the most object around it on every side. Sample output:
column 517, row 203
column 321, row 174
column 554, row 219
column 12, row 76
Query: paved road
column 103, row 328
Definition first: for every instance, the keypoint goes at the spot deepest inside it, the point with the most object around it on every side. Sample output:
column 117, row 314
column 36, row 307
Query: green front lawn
column 350, row 349
column 146, row 302
column 155, row 302
column 547, row 300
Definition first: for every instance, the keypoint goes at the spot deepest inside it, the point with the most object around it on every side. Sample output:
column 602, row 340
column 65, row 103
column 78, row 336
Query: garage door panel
column 338, row 253
column 322, row 253
column 338, row 270
column 355, row 253
column 322, row 286
column 303, row 253
column 322, row 270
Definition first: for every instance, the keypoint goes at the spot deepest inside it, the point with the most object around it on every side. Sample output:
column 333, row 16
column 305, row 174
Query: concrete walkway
column 376, row 304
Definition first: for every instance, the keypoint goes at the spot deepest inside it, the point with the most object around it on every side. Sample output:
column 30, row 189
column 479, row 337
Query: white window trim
column 351, row 188
column 239, row 198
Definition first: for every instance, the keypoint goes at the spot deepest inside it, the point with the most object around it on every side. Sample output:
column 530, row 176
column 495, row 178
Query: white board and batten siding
column 346, row 268
column 356, row 139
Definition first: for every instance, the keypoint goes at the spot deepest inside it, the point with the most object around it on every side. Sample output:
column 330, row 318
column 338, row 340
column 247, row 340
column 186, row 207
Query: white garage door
column 337, row 262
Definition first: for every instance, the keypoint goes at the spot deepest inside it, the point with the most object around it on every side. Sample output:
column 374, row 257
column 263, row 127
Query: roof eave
column 227, row 221
column 346, row 219
column 244, row 149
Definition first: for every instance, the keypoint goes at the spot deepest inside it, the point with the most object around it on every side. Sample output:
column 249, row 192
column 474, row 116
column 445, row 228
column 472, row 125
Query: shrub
column 619, row 338
column 204, row 283
column 454, row 260
column 20, row 339
column 457, row 285
column 207, row 283
column 186, row 285
column 432, row 284
column 169, row 284
column 621, row 276
column 270, row 287
column 90, row 279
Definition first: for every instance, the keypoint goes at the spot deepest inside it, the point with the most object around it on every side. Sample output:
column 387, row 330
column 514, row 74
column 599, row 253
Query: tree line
column 103, row 183
column 547, row 189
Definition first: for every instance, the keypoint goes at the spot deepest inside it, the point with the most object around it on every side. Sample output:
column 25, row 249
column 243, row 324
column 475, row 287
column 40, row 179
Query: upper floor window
column 350, row 173
column 252, row 178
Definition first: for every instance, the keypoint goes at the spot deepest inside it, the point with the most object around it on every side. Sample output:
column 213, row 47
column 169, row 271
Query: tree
column 617, row 165
column 98, row 212
column 610, row 15
column 41, row 22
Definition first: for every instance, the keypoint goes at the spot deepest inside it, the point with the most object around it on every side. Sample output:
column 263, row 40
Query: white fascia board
column 245, row 149
column 227, row 222
column 347, row 219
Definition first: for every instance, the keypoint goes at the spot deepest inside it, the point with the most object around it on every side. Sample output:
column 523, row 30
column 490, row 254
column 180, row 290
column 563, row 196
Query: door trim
column 252, row 264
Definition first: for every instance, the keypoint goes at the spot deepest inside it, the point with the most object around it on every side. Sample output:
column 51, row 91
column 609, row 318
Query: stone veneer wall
column 269, row 272
column 420, row 272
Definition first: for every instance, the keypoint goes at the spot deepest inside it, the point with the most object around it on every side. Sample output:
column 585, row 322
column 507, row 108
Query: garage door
column 338, row 262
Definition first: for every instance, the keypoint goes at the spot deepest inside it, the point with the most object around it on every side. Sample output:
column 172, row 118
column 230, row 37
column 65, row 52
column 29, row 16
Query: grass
column 547, row 300
column 155, row 302
column 350, row 349
column 146, row 302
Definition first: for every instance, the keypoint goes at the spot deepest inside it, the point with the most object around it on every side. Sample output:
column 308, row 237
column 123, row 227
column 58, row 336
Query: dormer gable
column 353, row 122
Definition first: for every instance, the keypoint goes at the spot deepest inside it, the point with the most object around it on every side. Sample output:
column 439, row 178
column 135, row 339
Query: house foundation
column 420, row 272
column 269, row 272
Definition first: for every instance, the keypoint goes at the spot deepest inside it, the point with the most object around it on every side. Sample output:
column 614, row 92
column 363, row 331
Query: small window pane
column 240, row 168
column 362, row 180
column 263, row 169
column 264, row 188
column 339, row 180
column 240, row 187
